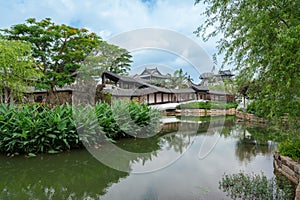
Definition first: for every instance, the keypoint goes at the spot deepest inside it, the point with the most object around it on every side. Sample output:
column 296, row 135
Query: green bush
column 36, row 128
column 208, row 105
column 247, row 186
column 290, row 148
column 255, row 108
column 127, row 119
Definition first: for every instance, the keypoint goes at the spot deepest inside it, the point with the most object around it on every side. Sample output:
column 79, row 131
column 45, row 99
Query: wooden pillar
column 155, row 98
column 148, row 99
column 103, row 79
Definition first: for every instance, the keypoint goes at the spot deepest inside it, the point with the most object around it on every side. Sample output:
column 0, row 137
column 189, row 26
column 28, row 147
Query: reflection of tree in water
column 64, row 175
column 178, row 141
column 253, row 141
column 56, row 177
column 184, row 131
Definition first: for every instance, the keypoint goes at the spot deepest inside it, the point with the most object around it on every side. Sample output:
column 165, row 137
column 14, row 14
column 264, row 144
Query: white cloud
column 109, row 18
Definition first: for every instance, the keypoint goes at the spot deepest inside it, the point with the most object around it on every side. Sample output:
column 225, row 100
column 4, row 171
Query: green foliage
column 122, row 119
column 36, row 128
column 113, row 58
column 195, row 105
column 256, row 109
column 290, row 147
column 260, row 38
column 17, row 71
column 177, row 80
column 58, row 50
column 208, row 105
column 256, row 187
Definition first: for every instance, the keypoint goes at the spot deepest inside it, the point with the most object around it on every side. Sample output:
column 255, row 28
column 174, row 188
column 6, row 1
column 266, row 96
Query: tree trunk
column 1, row 96
column 5, row 95
column 11, row 98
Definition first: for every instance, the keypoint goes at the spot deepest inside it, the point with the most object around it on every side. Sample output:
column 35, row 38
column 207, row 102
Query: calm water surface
column 185, row 161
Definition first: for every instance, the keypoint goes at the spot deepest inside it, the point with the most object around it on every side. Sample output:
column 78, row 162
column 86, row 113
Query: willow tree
column 17, row 71
column 261, row 39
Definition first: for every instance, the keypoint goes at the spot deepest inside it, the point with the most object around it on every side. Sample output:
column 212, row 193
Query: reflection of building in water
column 186, row 127
column 193, row 125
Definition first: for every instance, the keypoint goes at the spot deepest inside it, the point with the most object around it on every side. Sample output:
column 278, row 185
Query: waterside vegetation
column 251, row 186
column 208, row 105
column 34, row 128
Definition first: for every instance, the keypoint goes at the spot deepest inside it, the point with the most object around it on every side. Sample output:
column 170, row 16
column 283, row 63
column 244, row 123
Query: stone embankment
column 205, row 112
column 249, row 117
column 290, row 169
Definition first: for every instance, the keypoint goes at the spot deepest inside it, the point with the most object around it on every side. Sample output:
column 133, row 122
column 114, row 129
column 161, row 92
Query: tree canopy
column 57, row 49
column 261, row 39
column 177, row 80
column 17, row 71
column 113, row 58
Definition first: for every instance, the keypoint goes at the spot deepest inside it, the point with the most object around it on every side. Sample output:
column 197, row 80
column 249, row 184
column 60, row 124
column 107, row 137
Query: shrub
column 208, row 105
column 127, row 119
column 291, row 148
column 256, row 109
column 247, row 186
column 33, row 128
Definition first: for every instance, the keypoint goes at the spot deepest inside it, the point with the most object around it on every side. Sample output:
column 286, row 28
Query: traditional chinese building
column 125, row 87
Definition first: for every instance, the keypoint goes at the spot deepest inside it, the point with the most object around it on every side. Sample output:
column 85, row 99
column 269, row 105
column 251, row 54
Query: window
column 39, row 99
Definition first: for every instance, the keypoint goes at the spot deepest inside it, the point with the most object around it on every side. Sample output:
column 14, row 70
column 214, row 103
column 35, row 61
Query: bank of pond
column 189, row 158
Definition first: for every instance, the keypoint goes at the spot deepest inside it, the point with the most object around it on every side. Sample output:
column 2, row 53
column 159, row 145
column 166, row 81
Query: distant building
column 57, row 97
column 210, row 78
column 137, row 88
column 125, row 87
column 151, row 74
column 225, row 74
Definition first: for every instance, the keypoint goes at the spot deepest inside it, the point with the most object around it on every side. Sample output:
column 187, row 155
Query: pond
column 186, row 160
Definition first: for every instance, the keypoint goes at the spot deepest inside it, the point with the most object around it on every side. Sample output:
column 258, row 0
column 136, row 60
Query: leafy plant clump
column 34, row 128
column 127, row 119
column 256, row 187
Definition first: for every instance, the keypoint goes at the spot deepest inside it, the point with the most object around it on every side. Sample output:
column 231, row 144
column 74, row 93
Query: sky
column 111, row 18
